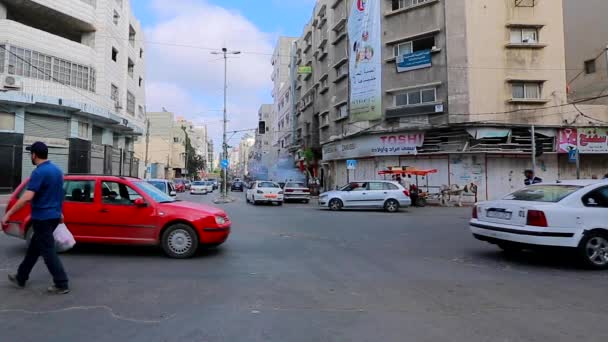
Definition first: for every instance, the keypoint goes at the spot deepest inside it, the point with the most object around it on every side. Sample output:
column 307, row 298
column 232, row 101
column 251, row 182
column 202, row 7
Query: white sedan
column 264, row 192
column 201, row 187
column 570, row 214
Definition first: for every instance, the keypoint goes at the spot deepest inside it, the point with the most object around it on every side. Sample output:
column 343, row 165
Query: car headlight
column 220, row 220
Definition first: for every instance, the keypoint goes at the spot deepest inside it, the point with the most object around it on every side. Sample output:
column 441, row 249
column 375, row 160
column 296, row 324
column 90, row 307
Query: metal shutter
column 46, row 126
column 59, row 156
column 97, row 159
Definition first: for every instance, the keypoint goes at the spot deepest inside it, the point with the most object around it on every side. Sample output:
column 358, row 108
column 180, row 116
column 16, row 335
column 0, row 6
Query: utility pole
column 147, row 146
column 225, row 53
column 533, row 149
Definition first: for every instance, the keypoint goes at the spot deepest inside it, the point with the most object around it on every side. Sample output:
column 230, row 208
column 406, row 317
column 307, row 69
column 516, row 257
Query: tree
column 194, row 162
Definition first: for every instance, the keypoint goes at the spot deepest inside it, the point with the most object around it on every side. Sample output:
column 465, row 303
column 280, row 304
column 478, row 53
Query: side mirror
column 140, row 202
column 173, row 194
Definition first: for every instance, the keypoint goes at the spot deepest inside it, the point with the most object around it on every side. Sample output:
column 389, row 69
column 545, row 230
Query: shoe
column 13, row 279
column 58, row 290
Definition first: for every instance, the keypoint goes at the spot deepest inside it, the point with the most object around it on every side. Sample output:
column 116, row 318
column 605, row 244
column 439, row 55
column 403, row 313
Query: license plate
column 271, row 196
column 503, row 215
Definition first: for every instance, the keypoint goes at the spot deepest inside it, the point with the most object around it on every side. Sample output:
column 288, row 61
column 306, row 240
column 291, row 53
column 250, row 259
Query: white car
column 264, row 192
column 565, row 214
column 201, row 187
column 296, row 191
column 386, row 195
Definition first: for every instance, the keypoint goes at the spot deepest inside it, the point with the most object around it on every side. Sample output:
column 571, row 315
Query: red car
column 120, row 210
column 180, row 185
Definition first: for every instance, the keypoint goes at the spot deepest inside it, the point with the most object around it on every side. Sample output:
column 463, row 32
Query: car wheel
column 392, row 206
column 593, row 250
column 179, row 241
column 335, row 204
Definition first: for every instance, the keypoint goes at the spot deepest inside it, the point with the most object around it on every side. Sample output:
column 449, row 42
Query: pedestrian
column 531, row 178
column 45, row 192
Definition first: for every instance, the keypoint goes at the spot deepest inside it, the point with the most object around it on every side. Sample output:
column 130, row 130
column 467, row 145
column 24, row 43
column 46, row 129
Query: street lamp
column 225, row 53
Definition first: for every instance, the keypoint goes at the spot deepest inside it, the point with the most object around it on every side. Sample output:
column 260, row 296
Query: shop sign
column 587, row 140
column 374, row 146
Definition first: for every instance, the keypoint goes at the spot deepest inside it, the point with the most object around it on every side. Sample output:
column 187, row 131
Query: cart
column 419, row 198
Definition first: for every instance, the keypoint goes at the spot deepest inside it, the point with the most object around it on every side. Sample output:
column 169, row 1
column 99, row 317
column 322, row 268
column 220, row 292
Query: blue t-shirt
column 47, row 182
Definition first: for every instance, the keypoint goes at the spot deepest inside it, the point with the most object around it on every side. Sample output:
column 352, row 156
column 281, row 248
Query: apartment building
column 449, row 85
column 72, row 74
column 281, row 92
column 166, row 147
column 198, row 138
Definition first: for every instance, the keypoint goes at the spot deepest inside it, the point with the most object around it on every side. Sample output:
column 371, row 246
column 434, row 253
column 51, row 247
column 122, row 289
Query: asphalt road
column 295, row 273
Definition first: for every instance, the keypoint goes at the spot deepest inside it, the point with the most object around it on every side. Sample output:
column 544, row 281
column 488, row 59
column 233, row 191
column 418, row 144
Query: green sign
column 304, row 70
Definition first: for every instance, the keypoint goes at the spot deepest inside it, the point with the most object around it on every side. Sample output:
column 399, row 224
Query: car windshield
column 198, row 183
column 159, row 185
column 295, row 185
column 152, row 191
column 268, row 185
column 543, row 193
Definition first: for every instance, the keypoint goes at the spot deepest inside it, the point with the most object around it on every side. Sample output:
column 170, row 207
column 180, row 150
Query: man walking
column 45, row 191
column 531, row 178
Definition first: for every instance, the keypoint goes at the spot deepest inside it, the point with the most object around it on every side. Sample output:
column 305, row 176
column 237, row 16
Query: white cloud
column 185, row 78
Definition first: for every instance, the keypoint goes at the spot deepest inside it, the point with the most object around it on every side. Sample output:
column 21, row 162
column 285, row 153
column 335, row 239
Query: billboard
column 365, row 60
column 414, row 61
column 587, row 140
column 374, row 146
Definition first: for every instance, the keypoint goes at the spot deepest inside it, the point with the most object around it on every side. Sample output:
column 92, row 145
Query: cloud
column 186, row 78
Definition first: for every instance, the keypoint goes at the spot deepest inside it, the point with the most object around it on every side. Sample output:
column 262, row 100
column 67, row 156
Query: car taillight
column 537, row 218
column 288, row 190
column 474, row 214
column 306, row 190
column 406, row 193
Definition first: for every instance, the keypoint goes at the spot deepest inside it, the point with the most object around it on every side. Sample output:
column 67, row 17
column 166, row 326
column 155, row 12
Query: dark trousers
column 43, row 244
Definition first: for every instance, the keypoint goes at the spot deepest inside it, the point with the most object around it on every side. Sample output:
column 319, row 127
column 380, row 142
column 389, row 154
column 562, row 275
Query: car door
column 377, row 194
column 80, row 204
column 595, row 214
column 356, row 195
column 120, row 220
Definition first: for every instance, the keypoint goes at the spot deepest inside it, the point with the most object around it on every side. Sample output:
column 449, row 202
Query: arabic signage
column 374, row 146
column 365, row 61
column 304, row 70
column 586, row 140
column 414, row 61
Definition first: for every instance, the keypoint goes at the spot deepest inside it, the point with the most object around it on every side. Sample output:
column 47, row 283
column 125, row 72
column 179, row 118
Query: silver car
column 296, row 191
column 164, row 185
column 386, row 195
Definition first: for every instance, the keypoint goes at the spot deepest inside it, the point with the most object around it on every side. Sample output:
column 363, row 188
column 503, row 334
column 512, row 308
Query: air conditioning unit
column 12, row 82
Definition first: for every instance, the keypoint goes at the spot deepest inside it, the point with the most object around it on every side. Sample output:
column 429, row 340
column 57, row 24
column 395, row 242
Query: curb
column 226, row 200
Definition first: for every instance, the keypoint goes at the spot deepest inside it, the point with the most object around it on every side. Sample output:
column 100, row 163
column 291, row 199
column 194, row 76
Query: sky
column 186, row 79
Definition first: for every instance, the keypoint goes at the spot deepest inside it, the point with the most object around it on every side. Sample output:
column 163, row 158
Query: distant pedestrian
column 531, row 178
column 45, row 192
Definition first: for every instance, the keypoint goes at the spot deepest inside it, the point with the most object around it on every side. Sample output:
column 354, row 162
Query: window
column 355, row 187
column 390, row 186
column 543, row 193
column 130, row 67
column 141, row 53
column 7, row 121
column 401, row 4
column 597, row 198
column 79, row 191
column 426, row 43
column 415, row 97
column 590, row 66
column 141, row 112
column 524, row 35
column 141, row 81
column 324, row 83
column 114, row 93
column 114, row 54
column 342, row 70
column 130, row 103
column 118, row 194
column 324, row 120
column 132, row 34
column 176, row 140
column 528, row 90
column 83, row 130
column 342, row 111
column 376, row 186
column 2, row 57
column 115, row 17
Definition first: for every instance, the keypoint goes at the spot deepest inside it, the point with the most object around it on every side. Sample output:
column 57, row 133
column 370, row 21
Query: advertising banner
column 414, row 61
column 365, row 62
column 374, row 146
column 587, row 140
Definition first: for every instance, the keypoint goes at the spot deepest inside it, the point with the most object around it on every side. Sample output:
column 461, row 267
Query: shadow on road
column 557, row 259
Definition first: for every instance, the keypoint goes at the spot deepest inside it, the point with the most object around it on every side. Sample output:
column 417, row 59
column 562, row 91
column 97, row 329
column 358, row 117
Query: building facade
column 460, row 86
column 72, row 74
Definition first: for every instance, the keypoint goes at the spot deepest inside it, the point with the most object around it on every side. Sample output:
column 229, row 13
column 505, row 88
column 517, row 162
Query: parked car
column 237, row 186
column 387, row 195
column 164, row 185
column 296, row 191
column 215, row 182
column 180, row 185
column 265, row 192
column 187, row 184
column 121, row 210
column 201, row 187
column 571, row 214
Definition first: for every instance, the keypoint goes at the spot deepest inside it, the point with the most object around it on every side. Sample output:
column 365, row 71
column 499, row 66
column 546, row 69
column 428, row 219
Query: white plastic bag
column 64, row 240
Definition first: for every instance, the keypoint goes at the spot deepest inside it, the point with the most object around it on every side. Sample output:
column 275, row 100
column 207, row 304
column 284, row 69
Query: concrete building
column 281, row 108
column 245, row 149
column 199, row 140
column 166, row 149
column 72, row 74
column 462, row 82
